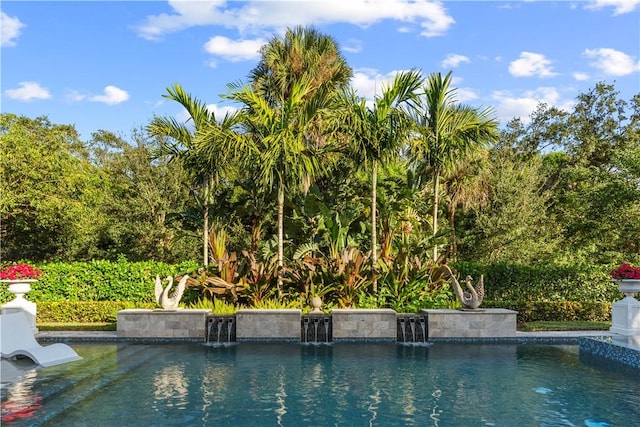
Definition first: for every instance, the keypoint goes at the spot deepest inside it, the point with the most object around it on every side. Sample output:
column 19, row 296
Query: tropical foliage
column 311, row 189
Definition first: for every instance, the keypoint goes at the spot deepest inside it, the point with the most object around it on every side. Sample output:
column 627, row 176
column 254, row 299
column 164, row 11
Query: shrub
column 512, row 282
column 560, row 311
column 83, row 311
column 100, row 281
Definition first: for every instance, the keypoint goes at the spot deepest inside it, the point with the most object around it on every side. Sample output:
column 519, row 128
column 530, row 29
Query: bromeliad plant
column 20, row 271
column 626, row 271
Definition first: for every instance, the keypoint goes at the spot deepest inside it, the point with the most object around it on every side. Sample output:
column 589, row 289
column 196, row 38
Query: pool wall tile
column 260, row 324
column 612, row 349
column 479, row 323
column 358, row 324
column 146, row 323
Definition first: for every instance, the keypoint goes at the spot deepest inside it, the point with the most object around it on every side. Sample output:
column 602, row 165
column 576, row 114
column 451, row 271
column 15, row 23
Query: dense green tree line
column 67, row 199
column 312, row 169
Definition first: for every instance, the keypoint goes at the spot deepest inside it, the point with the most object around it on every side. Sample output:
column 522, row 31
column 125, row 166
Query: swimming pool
column 343, row 384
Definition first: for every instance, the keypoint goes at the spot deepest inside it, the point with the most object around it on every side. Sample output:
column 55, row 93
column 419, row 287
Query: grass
column 565, row 326
column 109, row 326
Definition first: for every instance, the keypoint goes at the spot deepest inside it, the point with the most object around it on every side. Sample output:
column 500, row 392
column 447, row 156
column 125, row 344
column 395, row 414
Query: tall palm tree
column 289, row 89
column 378, row 132
column 285, row 160
column 446, row 132
column 204, row 169
column 466, row 184
column 302, row 54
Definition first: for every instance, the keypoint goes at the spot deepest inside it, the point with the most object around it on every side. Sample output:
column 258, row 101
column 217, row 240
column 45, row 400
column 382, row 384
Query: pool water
column 346, row 384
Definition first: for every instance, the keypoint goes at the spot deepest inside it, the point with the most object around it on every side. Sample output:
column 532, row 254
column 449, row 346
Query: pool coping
column 568, row 337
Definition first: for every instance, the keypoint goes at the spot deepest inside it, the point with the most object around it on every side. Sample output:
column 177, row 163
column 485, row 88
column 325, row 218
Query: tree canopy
column 313, row 167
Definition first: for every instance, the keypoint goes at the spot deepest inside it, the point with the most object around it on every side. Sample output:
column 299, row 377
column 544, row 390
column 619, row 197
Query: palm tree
column 446, row 132
column 289, row 89
column 377, row 133
column 285, row 161
column 204, row 168
column 302, row 54
column 466, row 184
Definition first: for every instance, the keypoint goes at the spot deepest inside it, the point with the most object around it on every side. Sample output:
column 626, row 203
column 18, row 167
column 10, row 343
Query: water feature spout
column 321, row 325
column 220, row 321
column 229, row 329
column 305, row 322
column 224, row 331
column 402, row 321
column 316, row 321
column 326, row 329
column 411, row 328
column 209, row 327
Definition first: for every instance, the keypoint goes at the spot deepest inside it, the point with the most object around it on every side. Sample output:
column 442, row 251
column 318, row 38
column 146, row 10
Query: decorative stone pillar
column 19, row 287
column 625, row 314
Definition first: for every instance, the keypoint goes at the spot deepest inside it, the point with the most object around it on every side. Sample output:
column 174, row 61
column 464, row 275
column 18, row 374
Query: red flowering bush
column 20, row 271
column 626, row 271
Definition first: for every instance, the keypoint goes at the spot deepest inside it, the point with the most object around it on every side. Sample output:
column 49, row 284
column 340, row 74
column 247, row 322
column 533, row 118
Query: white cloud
column 112, row 96
column 10, row 29
column 368, row 82
column 456, row 80
column 581, row 76
column 28, row 91
column 531, row 64
column 75, row 96
column 620, row 6
column 233, row 50
column 522, row 105
column 612, row 62
column 218, row 110
column 464, row 95
column 431, row 17
column 352, row 46
column 453, row 60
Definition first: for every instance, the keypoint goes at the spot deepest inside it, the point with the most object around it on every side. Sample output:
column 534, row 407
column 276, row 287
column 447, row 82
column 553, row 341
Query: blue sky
column 105, row 65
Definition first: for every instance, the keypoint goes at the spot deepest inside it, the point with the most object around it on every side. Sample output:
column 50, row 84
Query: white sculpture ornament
column 162, row 295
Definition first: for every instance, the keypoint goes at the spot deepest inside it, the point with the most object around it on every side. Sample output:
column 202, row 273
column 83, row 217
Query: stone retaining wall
column 369, row 324
column 273, row 325
column 478, row 323
column 145, row 323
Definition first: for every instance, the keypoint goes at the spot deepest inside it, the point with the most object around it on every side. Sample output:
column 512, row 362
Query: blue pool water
column 347, row 384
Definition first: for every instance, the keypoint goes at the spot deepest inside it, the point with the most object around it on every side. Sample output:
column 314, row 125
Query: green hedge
column 94, row 291
column 558, row 311
column 99, row 281
column 83, row 311
column 511, row 282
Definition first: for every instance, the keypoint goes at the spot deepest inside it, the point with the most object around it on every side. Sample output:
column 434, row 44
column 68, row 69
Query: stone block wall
column 273, row 325
column 364, row 324
column 478, row 323
column 145, row 323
